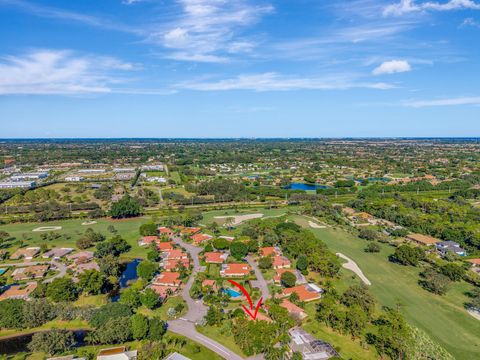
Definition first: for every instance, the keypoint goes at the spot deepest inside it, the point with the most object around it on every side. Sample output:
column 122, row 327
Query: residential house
column 421, row 239
column 235, row 270
column 174, row 254
column 172, row 265
column 189, row 230
column 163, row 291
column 293, row 310
column 176, row 356
column 19, row 291
column 215, row 257
column 26, row 253
column 92, row 265
column 305, row 292
column 147, row 240
column 200, row 238
column 81, row 257
column 57, row 253
column 281, row 262
column 278, row 276
column 118, row 353
column 310, row 348
column 165, row 246
column 31, row 272
column 269, row 251
column 167, row 279
column 162, row 230
column 474, row 262
column 210, row 283
column 445, row 247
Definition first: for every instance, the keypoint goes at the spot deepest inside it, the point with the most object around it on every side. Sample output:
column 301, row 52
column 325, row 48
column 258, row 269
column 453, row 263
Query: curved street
column 196, row 310
column 260, row 283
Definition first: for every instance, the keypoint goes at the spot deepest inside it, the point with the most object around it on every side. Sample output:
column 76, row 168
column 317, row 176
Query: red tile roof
column 278, row 276
column 280, row 262
column 149, row 239
column 292, row 308
column 167, row 279
column 199, row 238
column 304, row 292
column 165, row 246
column 269, row 250
column 215, row 257
column 235, row 270
column 162, row 291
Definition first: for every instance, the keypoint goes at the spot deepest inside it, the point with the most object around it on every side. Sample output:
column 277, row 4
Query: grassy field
column 73, row 229
column 208, row 216
column 442, row 317
column 215, row 332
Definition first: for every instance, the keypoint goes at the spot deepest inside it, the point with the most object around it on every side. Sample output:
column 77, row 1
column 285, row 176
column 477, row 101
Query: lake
column 304, row 186
column 129, row 274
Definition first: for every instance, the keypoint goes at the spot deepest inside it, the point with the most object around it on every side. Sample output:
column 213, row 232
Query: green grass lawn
column 161, row 312
column 73, row 229
column 442, row 317
column 76, row 324
column 215, row 332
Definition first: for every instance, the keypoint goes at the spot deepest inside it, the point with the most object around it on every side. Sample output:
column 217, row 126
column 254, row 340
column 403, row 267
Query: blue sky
column 239, row 68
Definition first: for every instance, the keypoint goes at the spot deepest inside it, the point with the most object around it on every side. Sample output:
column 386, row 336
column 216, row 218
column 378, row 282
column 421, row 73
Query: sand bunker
column 47, row 228
column 315, row 225
column 238, row 219
column 89, row 222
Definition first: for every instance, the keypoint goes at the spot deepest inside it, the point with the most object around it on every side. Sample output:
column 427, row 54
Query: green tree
column 146, row 270
column 149, row 229
column 288, row 279
column 126, row 207
column 52, row 342
column 358, row 295
column 434, row 282
column 38, row 312
column 150, row 299
column 372, row 247
column 302, row 263
column 139, row 324
column 91, row 282
column 156, row 329
column 114, row 331
column 130, row 297
column 453, row 271
column 109, row 265
column 238, row 250
column 62, row 289
column 109, row 311
column 407, row 255
column 355, row 321
column 265, row 262
column 12, row 314
column 221, row 244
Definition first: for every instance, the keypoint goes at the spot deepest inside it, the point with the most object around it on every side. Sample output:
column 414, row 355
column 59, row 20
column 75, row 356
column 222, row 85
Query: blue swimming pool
column 232, row 293
column 304, row 186
column 2, row 271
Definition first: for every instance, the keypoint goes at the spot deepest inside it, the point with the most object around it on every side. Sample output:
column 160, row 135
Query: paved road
column 260, row 283
column 196, row 311
column 61, row 268
column 352, row 266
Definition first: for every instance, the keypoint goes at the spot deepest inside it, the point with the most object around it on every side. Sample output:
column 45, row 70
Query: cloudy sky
column 239, row 68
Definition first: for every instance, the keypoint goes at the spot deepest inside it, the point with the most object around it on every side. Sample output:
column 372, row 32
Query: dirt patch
column 315, row 225
column 89, row 222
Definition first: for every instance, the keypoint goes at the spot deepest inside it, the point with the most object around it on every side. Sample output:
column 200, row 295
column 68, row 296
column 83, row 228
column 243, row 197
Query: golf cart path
column 352, row 266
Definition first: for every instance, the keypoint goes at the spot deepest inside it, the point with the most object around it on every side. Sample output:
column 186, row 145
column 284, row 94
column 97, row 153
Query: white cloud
column 475, row 100
column 209, row 29
column 470, row 22
column 57, row 72
column 275, row 82
column 391, row 67
column 411, row 6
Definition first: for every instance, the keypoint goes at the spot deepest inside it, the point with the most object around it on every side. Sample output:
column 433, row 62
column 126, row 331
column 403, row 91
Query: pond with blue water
column 304, row 186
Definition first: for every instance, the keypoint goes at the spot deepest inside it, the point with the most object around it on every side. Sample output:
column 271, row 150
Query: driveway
column 352, row 266
column 260, row 283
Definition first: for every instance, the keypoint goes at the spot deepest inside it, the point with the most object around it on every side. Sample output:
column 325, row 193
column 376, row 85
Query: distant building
column 422, row 239
column 74, row 178
column 124, row 170
column 30, row 176
column 167, row 279
column 57, row 253
column 445, row 247
column 153, row 167
column 235, row 270
column 17, row 184
column 176, row 356
column 31, row 272
column 310, row 348
column 118, row 353
column 293, row 310
column 200, row 238
column 91, row 171
column 26, row 253
column 215, row 257
column 306, row 292
column 281, row 262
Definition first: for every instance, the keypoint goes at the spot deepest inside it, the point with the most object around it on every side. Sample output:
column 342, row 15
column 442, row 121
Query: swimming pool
column 2, row 271
column 232, row 293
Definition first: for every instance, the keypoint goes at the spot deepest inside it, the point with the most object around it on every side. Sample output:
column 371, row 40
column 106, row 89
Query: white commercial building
column 17, row 184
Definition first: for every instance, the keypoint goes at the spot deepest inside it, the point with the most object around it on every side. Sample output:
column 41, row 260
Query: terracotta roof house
column 167, row 279
column 215, row 257
column 269, row 251
column 81, row 257
column 422, row 239
column 260, row 317
column 209, row 283
column 26, row 253
column 19, row 291
column 235, row 270
column 174, row 254
column 165, row 245
column 281, row 262
column 147, row 240
column 474, row 262
column 293, row 310
column 162, row 230
column 170, row 265
column 31, row 272
column 163, row 291
column 278, row 275
column 306, row 292
column 92, row 265
column 200, row 238
column 57, row 253
column 118, row 353
column 189, row 230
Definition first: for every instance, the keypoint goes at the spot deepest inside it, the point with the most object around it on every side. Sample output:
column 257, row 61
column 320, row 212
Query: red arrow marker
column 254, row 315
column 244, row 291
column 247, row 295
